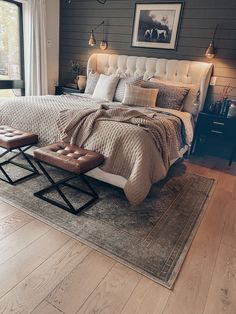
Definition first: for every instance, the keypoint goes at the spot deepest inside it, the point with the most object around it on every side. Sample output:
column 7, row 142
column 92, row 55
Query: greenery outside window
column 11, row 49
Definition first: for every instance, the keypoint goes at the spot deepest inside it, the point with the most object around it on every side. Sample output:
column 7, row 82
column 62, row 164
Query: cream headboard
column 184, row 71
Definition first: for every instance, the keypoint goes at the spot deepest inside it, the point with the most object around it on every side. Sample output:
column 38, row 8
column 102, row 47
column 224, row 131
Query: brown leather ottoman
column 17, row 142
column 75, row 160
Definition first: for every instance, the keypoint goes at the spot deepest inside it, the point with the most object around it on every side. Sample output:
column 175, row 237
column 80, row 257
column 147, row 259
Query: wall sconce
column 92, row 40
column 211, row 50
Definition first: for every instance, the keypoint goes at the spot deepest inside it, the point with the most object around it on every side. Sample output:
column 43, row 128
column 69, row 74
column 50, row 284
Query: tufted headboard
column 183, row 71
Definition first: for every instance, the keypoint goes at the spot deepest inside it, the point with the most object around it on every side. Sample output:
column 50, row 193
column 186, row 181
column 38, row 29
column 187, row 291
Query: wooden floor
column 45, row 271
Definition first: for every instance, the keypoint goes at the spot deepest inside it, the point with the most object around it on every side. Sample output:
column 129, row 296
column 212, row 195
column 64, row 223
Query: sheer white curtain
column 35, row 47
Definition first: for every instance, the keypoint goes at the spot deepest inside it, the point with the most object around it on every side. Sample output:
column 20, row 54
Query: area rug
column 152, row 238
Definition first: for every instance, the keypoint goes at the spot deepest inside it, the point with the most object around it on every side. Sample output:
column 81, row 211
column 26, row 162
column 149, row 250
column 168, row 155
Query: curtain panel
column 35, row 47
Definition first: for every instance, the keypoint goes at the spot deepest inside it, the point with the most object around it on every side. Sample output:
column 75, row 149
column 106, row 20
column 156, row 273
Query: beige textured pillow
column 169, row 96
column 106, row 87
column 138, row 96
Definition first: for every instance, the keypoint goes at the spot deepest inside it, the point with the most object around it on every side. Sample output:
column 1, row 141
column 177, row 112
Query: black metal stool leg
column 54, row 185
column 28, row 160
column 8, row 179
column 64, row 182
column 31, row 168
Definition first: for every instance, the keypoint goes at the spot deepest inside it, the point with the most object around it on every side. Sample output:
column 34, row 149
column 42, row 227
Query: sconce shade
column 92, row 40
column 210, row 52
column 103, row 45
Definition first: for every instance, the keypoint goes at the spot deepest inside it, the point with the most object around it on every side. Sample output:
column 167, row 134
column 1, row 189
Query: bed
column 39, row 114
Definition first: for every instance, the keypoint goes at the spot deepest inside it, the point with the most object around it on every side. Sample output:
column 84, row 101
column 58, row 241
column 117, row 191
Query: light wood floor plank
column 213, row 163
column 222, row 294
column 46, row 308
column 29, row 293
column 226, row 181
column 234, row 190
column 113, row 292
column 72, row 292
column 6, row 209
column 202, row 170
column 13, row 222
column 148, row 297
column 190, row 291
column 229, row 232
column 29, row 259
column 17, row 241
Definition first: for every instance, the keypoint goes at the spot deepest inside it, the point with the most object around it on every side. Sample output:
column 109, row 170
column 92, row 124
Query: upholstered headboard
column 183, row 71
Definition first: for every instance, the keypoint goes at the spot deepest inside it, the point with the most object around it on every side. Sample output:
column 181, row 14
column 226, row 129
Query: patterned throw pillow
column 120, row 90
column 106, row 87
column 91, row 82
column 138, row 96
column 169, row 96
column 191, row 101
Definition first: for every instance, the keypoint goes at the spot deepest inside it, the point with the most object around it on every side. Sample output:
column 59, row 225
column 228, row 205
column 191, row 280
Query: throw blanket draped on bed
column 133, row 152
column 77, row 126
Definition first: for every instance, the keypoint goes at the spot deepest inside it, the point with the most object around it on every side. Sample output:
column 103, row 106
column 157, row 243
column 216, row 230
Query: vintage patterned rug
column 152, row 238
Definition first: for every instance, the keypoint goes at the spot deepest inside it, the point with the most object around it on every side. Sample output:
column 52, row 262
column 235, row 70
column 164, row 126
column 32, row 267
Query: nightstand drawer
column 216, row 126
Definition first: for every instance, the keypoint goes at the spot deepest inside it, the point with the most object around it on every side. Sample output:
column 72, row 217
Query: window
column 11, row 49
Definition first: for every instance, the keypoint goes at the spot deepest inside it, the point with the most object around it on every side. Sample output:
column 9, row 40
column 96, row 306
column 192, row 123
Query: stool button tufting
column 61, row 151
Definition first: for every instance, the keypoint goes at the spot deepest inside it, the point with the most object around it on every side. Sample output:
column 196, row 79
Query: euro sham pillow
column 191, row 102
column 169, row 97
column 120, row 90
column 91, row 82
column 106, row 87
column 139, row 96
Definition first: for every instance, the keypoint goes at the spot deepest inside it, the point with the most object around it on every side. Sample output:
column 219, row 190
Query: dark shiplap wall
column 199, row 20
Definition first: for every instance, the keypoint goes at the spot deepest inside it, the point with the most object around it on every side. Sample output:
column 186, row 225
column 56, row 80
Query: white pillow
column 91, row 82
column 106, row 87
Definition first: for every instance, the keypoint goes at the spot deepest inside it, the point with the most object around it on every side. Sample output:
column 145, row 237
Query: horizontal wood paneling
column 198, row 23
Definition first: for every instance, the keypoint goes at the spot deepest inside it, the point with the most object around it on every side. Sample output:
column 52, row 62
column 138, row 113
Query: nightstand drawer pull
column 218, row 123
column 218, row 132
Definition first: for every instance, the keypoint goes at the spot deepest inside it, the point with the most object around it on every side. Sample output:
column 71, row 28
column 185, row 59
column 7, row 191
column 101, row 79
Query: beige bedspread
column 136, row 148
column 156, row 131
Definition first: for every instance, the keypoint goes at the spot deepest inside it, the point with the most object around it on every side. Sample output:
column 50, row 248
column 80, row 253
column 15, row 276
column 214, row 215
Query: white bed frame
column 183, row 71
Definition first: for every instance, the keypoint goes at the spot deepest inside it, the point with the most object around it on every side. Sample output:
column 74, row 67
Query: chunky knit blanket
column 137, row 144
column 129, row 138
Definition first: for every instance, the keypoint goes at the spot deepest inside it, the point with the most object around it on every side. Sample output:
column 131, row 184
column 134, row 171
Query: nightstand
column 213, row 126
column 60, row 90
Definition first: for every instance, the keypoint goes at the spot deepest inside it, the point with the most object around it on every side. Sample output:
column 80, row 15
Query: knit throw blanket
column 157, row 131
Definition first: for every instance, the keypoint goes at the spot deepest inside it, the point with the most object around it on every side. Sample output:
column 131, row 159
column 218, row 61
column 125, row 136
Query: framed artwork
column 156, row 25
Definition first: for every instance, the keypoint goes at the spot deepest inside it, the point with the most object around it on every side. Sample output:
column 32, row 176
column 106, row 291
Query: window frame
column 17, row 84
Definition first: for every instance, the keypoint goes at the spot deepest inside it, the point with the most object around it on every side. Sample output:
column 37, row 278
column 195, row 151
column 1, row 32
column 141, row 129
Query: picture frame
column 157, row 25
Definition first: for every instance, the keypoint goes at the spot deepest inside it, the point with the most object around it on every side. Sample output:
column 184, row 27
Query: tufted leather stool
column 75, row 160
column 18, row 142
